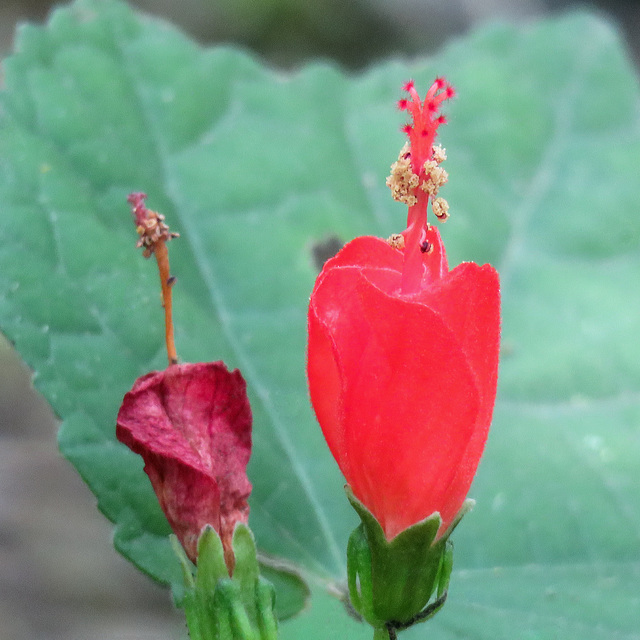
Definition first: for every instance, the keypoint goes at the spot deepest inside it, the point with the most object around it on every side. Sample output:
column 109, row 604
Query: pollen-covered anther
column 402, row 180
column 439, row 154
column 440, row 209
column 396, row 241
column 151, row 229
column 436, row 177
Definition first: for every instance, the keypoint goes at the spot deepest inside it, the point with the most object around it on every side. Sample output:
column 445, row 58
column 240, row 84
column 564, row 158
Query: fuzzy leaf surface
column 257, row 171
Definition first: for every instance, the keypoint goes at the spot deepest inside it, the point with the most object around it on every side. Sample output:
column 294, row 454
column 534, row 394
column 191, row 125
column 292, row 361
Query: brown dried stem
column 154, row 235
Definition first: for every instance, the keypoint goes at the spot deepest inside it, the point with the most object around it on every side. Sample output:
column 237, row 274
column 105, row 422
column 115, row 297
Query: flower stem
column 166, row 282
column 382, row 633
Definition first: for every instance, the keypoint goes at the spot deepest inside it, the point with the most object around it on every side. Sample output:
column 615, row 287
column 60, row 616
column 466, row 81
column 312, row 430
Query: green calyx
column 219, row 607
column 392, row 581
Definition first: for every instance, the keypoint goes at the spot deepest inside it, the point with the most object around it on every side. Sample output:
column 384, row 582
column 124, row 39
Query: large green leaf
column 255, row 170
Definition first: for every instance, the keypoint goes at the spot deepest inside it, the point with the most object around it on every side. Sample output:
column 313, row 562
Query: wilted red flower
column 403, row 353
column 192, row 426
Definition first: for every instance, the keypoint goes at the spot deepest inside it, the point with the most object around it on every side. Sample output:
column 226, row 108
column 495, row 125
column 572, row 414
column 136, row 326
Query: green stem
column 380, row 633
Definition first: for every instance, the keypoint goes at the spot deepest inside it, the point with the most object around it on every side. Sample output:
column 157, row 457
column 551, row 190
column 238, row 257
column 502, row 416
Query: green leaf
column 292, row 591
column 256, row 170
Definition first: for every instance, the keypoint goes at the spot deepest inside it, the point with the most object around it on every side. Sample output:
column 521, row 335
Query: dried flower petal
column 192, row 426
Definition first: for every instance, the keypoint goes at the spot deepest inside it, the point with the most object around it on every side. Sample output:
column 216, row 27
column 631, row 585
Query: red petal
column 192, row 426
column 325, row 384
column 468, row 300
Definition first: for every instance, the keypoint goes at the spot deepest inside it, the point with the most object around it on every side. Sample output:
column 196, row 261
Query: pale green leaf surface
column 567, row 602
column 253, row 168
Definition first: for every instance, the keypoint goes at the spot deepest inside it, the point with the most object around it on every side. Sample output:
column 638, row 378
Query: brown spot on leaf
column 324, row 249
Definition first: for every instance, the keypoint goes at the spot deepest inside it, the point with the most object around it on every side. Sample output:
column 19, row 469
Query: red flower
column 403, row 353
column 192, row 426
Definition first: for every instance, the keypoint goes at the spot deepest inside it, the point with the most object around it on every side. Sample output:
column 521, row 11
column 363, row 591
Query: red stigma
column 407, row 86
column 424, row 114
column 138, row 208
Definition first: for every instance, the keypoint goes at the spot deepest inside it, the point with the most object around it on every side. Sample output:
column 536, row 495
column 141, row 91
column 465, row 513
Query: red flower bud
column 403, row 356
column 192, row 426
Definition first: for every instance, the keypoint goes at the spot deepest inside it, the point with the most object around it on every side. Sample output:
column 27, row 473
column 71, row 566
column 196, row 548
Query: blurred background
column 60, row 578
column 352, row 32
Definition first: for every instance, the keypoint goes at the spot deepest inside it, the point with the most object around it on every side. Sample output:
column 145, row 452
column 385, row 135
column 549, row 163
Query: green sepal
column 359, row 580
column 391, row 581
column 246, row 571
column 194, row 605
column 185, row 564
column 220, row 607
column 211, row 565
column 230, row 602
column 266, row 602
column 446, row 566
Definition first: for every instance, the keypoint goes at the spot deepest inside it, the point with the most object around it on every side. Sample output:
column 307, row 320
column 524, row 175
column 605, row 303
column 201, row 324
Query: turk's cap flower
column 402, row 365
column 191, row 423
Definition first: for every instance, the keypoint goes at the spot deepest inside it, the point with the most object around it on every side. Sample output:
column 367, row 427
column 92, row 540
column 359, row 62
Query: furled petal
column 192, row 426
column 469, row 302
column 403, row 385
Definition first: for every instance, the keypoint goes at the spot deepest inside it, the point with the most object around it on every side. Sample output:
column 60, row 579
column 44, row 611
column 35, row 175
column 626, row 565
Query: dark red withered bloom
column 192, row 426
column 403, row 353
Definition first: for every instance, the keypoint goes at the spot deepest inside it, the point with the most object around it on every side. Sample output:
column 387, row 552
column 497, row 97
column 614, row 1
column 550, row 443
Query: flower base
column 392, row 581
column 220, row 607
